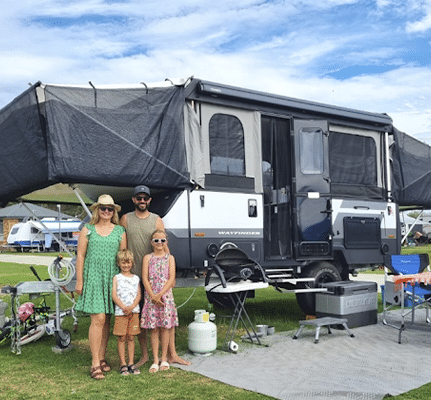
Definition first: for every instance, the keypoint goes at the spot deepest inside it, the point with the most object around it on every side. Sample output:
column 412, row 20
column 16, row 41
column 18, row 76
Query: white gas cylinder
column 202, row 334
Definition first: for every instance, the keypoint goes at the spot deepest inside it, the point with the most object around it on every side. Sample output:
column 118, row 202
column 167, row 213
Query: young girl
column 126, row 294
column 159, row 312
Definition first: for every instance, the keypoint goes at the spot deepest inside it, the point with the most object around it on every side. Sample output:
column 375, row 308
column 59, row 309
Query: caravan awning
column 113, row 137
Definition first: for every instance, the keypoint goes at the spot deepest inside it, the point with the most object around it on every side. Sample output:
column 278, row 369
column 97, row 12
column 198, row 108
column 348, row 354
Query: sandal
column 124, row 370
column 105, row 366
column 164, row 366
column 154, row 368
column 96, row 373
column 134, row 370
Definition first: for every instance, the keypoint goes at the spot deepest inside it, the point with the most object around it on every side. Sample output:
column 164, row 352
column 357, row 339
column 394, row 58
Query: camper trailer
column 28, row 235
column 308, row 190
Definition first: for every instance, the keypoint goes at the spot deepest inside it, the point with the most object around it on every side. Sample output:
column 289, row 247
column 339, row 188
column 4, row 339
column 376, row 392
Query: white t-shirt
column 127, row 290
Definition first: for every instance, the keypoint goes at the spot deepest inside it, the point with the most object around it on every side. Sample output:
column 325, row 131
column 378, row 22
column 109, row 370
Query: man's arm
column 123, row 223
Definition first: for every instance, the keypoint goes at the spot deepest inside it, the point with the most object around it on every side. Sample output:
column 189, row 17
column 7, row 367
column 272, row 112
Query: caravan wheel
column 322, row 272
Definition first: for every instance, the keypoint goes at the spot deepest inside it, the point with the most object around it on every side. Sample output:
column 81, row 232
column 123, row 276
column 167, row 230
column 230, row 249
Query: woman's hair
column 159, row 231
column 95, row 217
column 124, row 255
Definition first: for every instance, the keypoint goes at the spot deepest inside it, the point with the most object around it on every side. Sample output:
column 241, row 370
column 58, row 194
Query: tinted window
column 226, row 136
column 311, row 151
column 352, row 159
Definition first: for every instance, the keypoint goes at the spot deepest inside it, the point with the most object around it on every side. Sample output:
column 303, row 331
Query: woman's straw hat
column 105, row 200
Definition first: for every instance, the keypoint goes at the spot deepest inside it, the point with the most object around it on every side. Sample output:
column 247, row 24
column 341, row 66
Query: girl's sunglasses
column 104, row 208
column 159, row 240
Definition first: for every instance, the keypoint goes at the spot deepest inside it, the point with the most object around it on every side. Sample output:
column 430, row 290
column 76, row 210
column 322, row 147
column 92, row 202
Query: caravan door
column 277, row 181
column 311, row 191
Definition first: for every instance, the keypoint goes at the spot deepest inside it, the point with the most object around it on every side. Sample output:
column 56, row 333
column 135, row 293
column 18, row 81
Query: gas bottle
column 202, row 334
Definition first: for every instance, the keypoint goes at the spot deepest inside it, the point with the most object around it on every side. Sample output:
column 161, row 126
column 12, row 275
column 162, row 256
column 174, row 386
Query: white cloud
column 283, row 47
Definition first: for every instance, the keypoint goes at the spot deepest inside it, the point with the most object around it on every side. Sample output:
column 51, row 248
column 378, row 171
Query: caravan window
column 227, row 155
column 34, row 230
column 311, row 151
column 353, row 159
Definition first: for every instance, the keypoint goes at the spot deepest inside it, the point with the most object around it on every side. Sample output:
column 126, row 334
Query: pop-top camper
column 308, row 190
column 31, row 234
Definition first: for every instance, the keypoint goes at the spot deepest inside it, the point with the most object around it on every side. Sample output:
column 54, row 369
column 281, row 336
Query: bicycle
column 31, row 323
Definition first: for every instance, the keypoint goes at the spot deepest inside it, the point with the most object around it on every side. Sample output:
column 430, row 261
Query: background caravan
column 308, row 190
column 28, row 235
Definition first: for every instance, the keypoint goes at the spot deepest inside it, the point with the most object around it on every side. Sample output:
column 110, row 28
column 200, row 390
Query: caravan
column 28, row 235
column 308, row 190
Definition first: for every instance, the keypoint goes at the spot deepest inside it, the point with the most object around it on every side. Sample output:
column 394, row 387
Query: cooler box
column 354, row 300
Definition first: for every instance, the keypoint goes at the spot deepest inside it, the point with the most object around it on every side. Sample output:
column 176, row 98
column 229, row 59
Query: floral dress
column 100, row 267
column 154, row 316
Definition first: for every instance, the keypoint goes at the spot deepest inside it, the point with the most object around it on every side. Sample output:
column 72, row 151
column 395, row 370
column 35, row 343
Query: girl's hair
column 95, row 217
column 159, row 231
column 124, row 255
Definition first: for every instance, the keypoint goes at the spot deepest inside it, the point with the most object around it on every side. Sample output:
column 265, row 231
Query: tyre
column 322, row 272
column 63, row 339
column 5, row 332
column 33, row 335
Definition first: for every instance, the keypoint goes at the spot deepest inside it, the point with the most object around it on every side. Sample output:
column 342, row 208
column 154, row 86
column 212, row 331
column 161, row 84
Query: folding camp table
column 237, row 292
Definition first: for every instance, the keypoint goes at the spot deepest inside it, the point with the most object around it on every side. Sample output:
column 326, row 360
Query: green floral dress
column 100, row 266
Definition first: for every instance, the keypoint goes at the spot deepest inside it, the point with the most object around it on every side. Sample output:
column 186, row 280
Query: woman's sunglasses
column 104, row 208
column 159, row 240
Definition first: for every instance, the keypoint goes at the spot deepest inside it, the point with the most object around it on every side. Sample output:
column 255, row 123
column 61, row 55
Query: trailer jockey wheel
column 62, row 338
column 322, row 272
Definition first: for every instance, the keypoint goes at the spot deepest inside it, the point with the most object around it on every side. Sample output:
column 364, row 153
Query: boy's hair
column 124, row 255
column 159, row 231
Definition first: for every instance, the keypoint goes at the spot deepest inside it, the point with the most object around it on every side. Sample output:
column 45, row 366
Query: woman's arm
column 123, row 243
column 80, row 258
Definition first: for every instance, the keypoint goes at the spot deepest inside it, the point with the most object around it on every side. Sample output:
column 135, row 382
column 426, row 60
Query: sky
column 371, row 55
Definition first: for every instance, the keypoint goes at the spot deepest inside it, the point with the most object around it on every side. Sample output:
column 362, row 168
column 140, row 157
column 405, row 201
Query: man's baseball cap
column 142, row 189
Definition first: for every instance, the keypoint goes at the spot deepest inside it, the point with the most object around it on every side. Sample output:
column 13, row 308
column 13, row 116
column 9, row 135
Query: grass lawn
column 38, row 373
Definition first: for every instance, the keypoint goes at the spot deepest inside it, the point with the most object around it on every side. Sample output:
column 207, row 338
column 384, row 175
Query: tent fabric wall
column 23, row 158
column 116, row 137
column 411, row 165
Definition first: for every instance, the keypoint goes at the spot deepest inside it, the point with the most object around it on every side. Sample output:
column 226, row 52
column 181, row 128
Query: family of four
column 140, row 295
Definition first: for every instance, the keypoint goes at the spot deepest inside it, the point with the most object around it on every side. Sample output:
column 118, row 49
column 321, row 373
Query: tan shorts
column 127, row 325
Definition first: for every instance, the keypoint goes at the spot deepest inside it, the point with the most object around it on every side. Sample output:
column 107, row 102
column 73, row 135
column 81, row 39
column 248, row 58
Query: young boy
column 126, row 294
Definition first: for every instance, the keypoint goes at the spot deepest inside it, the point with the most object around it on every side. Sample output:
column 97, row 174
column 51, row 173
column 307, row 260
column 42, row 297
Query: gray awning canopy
column 116, row 137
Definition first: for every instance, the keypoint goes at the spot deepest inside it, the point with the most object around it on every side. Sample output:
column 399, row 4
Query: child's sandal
column 96, row 373
column 105, row 366
column 124, row 370
column 133, row 369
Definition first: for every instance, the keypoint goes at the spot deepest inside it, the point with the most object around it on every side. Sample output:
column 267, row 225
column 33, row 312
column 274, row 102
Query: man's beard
column 141, row 206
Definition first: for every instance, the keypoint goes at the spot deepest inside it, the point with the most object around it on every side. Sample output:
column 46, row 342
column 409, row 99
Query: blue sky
column 364, row 54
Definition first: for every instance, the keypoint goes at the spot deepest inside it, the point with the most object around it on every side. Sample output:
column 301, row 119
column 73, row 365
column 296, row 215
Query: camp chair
column 410, row 295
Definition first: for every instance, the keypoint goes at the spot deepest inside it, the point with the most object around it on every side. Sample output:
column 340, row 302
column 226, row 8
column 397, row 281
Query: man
column 140, row 225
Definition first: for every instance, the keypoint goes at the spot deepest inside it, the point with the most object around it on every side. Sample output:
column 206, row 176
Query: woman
column 98, row 244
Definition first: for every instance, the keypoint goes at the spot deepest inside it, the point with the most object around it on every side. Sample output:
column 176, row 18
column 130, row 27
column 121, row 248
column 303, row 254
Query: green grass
column 38, row 373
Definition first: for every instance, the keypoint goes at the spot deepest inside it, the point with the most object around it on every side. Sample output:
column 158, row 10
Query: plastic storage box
column 354, row 300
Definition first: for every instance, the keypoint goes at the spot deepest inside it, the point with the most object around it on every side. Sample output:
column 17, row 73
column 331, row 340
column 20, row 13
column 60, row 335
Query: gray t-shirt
column 139, row 232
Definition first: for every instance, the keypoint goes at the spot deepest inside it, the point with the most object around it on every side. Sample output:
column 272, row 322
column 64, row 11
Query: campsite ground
column 40, row 373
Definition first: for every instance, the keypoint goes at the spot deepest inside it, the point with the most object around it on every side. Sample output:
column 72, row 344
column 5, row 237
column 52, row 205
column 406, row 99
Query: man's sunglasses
column 159, row 240
column 104, row 208
column 145, row 198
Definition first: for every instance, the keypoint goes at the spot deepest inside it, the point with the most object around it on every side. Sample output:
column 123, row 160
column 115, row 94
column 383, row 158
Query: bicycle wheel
column 63, row 339
column 32, row 335
column 5, row 333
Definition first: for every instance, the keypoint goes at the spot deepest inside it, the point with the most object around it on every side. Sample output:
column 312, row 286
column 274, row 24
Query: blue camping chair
column 406, row 295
